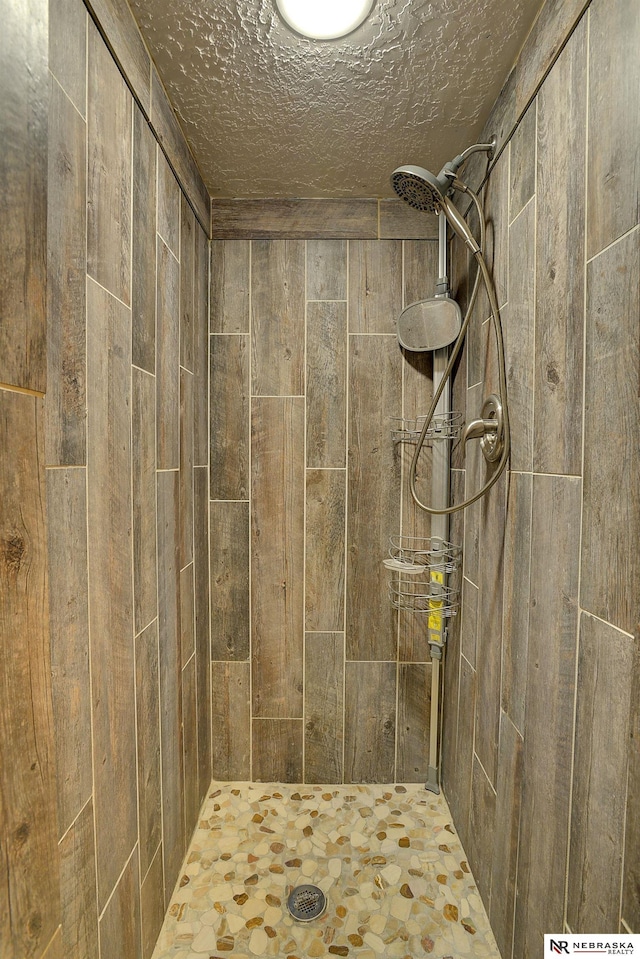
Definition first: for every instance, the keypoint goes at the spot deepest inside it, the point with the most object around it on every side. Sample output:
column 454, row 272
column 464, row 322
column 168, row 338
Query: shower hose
column 497, row 327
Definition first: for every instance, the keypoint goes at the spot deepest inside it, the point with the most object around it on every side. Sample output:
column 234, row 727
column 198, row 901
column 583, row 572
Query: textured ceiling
column 270, row 114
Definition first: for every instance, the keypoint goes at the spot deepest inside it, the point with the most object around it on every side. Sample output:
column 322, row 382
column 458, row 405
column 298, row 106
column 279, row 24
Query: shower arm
column 482, row 269
column 489, row 148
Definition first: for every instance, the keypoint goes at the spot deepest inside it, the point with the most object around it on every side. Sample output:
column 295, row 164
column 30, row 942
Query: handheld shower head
column 419, row 188
column 428, row 193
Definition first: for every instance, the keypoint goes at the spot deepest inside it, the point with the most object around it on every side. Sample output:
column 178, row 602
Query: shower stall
column 201, row 482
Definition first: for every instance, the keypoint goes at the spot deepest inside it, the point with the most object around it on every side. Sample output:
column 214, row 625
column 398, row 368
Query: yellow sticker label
column 435, row 621
column 437, row 576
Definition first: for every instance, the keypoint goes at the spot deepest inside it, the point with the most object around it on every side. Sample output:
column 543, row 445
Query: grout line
column 250, row 514
column 127, row 306
column 75, row 819
column 304, row 507
column 67, row 97
column 347, row 430
column 87, row 474
column 117, row 882
column 605, row 622
column 583, row 453
column 142, row 370
column 619, row 239
column 158, row 851
column 533, row 195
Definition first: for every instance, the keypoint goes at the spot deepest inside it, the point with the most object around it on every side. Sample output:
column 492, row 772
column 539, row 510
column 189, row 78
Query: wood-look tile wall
column 315, row 677
column 542, row 694
column 29, row 884
column 127, row 497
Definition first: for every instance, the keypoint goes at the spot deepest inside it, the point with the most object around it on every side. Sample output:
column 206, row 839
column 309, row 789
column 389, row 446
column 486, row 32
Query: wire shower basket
column 418, row 566
column 444, row 426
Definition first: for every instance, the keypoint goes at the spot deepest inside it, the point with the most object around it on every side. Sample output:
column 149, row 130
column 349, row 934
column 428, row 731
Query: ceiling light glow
column 324, row 19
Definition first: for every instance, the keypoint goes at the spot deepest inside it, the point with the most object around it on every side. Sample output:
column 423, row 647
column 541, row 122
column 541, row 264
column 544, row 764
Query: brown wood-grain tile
column 489, row 627
column 201, row 351
column 167, row 358
column 229, row 545
column 111, row 619
column 109, row 146
column 277, row 317
column 187, row 615
column 324, row 704
column 375, row 388
column 294, row 218
column 173, row 834
column 516, row 587
column 148, row 733
column 186, row 467
column 398, row 221
column 375, row 285
column 190, row 748
column 231, row 721
column 482, row 830
column 68, row 50
column 277, row 555
column 187, row 284
column 168, row 204
column 613, row 196
column 414, row 720
column 326, row 387
column 69, row 625
column 522, row 163
column 143, row 294
column 119, row 926
column 66, row 284
column 630, row 906
column 229, row 402
column 559, row 282
column 548, row 732
column 610, row 581
column 174, row 145
column 202, row 638
column 370, row 722
column 230, row 286
column 29, row 815
column 461, row 795
column 78, row 888
column 324, row 550
column 519, row 332
column 469, row 621
column 604, row 689
column 24, row 82
column 143, row 462
column 326, row 269
column 118, row 25
column 277, row 750
column 151, row 905
column 546, row 37
column 504, row 857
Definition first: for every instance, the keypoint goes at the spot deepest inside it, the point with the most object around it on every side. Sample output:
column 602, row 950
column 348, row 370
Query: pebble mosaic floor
column 387, row 858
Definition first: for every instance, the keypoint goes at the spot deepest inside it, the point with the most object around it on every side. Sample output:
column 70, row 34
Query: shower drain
column 306, row 903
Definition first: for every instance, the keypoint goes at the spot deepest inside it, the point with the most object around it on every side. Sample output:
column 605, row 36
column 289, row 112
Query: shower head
column 428, row 193
column 420, row 188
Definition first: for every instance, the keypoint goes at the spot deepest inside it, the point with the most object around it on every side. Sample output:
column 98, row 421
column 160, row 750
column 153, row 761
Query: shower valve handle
column 477, row 428
column 489, row 428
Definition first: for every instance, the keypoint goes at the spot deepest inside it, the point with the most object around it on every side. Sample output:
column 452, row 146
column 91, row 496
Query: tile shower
column 541, row 685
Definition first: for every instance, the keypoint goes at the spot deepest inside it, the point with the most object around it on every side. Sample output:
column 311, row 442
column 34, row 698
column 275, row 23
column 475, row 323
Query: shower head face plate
column 429, row 324
column 419, row 188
